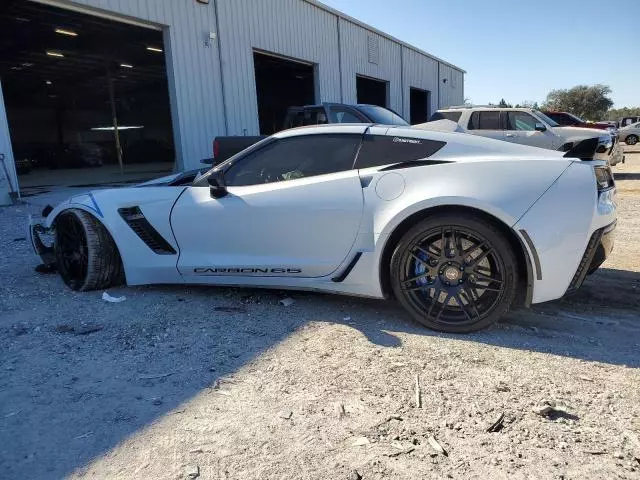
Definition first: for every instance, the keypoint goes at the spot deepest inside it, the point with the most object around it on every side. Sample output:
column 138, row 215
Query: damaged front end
column 42, row 237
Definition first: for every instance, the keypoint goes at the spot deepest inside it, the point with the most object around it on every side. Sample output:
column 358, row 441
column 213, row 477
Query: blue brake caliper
column 420, row 268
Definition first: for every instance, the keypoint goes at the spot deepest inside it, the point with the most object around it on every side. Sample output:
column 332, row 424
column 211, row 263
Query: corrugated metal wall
column 354, row 41
column 193, row 68
column 419, row 71
column 209, row 100
column 291, row 28
column 451, row 91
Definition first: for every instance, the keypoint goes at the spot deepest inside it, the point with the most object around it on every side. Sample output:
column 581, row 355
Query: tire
column 631, row 139
column 86, row 255
column 442, row 287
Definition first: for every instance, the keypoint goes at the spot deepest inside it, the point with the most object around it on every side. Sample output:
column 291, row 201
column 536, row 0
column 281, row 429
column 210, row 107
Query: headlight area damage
column 72, row 240
column 42, row 240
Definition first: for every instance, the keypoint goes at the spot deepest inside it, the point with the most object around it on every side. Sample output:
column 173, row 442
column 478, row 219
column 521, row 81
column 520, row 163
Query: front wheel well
column 525, row 268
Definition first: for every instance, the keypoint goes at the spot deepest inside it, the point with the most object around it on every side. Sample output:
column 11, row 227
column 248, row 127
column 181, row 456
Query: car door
column 292, row 208
column 486, row 123
column 521, row 128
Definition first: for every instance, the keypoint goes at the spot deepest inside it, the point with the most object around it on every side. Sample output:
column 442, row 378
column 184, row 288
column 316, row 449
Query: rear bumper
column 598, row 249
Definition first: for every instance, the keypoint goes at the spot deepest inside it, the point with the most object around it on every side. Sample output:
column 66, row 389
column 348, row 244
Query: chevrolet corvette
column 457, row 228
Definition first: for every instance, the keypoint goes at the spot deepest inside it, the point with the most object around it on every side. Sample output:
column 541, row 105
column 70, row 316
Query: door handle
column 509, row 134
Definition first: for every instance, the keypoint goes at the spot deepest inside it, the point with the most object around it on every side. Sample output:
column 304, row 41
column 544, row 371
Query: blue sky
column 519, row 50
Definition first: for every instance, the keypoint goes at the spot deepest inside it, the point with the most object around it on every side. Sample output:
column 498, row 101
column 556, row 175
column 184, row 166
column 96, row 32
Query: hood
column 578, row 132
column 176, row 179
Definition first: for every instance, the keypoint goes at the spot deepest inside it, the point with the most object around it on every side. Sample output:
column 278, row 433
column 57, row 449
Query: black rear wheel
column 631, row 140
column 86, row 256
column 454, row 273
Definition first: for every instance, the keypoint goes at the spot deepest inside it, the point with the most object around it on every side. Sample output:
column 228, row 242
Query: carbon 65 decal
column 249, row 270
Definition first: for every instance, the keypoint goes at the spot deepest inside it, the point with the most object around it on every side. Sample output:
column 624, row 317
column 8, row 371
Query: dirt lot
column 177, row 382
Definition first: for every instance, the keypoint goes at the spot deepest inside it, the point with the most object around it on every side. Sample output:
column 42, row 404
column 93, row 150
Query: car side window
column 489, row 120
column 342, row 115
column 521, row 121
column 293, row 158
column 378, row 150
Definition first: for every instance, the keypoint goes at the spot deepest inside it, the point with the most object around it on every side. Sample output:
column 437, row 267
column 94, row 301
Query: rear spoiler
column 591, row 149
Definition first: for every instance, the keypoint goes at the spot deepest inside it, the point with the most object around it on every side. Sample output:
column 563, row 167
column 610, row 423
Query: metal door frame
column 9, row 162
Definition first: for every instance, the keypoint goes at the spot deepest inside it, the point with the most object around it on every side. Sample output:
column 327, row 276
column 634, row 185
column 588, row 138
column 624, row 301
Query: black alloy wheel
column 454, row 276
column 72, row 251
column 86, row 255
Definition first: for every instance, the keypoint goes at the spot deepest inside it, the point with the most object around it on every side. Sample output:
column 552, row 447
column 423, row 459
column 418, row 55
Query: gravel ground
column 181, row 382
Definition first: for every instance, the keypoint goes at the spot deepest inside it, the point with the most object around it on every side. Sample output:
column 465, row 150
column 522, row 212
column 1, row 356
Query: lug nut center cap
column 452, row 274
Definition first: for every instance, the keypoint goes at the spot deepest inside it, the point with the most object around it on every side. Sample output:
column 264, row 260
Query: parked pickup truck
column 566, row 119
column 226, row 147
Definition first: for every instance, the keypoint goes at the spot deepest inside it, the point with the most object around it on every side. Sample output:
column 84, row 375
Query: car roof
column 483, row 108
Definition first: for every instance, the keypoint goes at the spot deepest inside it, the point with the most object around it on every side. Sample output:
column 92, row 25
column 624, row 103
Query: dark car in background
column 308, row 115
column 567, row 119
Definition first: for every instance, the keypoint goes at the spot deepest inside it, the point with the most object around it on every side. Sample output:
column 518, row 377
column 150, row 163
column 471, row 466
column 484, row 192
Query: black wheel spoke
column 410, row 280
column 481, row 277
column 471, row 301
column 456, row 240
column 458, row 298
column 443, row 307
column 490, row 289
column 472, row 249
column 419, row 260
column 480, row 257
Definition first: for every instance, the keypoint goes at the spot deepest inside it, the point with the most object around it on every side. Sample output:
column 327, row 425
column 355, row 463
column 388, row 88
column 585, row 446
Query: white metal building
column 210, row 49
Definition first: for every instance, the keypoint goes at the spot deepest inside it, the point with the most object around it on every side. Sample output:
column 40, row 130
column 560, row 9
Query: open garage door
column 86, row 98
column 281, row 83
column 418, row 105
column 372, row 91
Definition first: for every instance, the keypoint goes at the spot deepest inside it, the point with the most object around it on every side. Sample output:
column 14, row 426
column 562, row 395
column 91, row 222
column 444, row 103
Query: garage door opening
column 280, row 84
column 419, row 105
column 68, row 78
column 371, row 91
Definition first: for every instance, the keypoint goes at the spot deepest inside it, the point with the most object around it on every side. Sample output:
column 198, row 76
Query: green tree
column 616, row 113
column 589, row 102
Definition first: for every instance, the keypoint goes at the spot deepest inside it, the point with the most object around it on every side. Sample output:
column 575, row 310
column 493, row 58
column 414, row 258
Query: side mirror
column 217, row 187
column 540, row 127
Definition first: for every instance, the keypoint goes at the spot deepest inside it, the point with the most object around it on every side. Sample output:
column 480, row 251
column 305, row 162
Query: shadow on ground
column 627, row 175
column 165, row 345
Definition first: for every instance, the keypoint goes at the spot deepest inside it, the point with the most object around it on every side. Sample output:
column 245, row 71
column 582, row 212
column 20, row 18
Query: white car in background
column 457, row 228
column 630, row 134
column 527, row 126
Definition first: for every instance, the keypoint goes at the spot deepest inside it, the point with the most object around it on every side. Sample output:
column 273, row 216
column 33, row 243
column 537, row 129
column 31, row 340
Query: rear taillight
column 604, row 178
column 216, row 148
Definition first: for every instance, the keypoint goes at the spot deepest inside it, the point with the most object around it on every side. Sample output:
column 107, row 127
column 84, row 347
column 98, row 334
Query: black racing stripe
column 414, row 163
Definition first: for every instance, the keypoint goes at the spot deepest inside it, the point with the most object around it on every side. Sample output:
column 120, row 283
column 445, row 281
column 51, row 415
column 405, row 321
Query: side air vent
column 149, row 235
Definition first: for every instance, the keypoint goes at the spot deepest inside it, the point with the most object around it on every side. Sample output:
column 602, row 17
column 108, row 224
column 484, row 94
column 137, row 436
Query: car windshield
column 382, row 115
column 542, row 116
